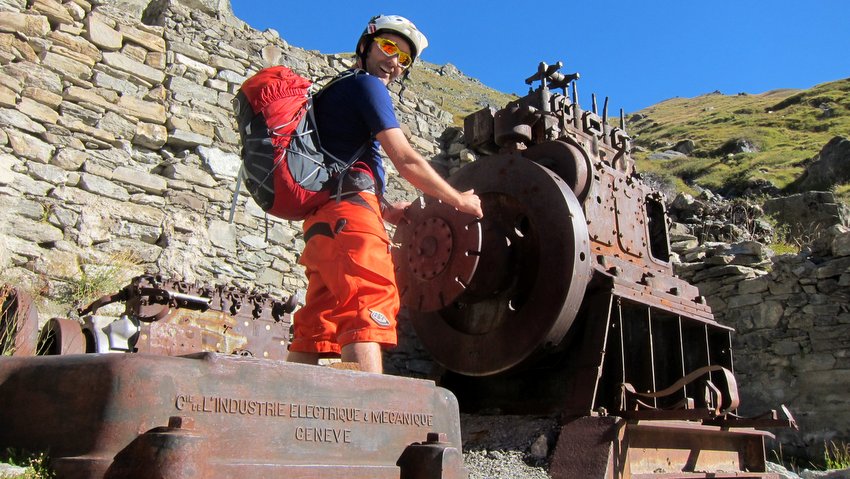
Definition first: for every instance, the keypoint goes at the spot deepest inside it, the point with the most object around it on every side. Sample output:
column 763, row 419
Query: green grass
column 36, row 464
column 787, row 127
column 106, row 276
column 455, row 92
column 836, row 456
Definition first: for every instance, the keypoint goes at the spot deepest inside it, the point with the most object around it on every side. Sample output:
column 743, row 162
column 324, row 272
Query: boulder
column 735, row 146
column 807, row 213
column 829, row 168
column 685, row 147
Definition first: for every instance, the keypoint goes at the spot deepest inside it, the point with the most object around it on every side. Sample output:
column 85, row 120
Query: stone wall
column 117, row 141
column 792, row 317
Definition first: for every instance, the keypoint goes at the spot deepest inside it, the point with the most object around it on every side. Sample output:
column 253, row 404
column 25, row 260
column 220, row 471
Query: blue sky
column 637, row 53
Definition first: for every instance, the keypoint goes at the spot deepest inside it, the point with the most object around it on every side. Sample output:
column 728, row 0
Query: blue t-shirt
column 351, row 112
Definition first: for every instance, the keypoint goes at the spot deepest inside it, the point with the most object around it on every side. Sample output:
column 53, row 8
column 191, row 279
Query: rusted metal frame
column 751, row 423
column 728, row 397
column 124, row 395
column 666, row 414
column 622, row 340
column 731, row 357
column 603, row 326
column 62, row 336
column 657, row 284
column 18, row 322
column 655, row 277
column 637, row 356
column 743, row 446
column 668, row 357
column 651, row 353
column 708, row 355
column 652, row 324
column 614, row 448
column 681, row 335
column 712, row 475
column 590, row 357
column 644, row 295
column 176, row 317
column 770, row 419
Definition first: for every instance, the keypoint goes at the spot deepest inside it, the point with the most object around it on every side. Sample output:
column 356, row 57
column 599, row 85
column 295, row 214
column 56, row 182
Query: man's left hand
column 395, row 212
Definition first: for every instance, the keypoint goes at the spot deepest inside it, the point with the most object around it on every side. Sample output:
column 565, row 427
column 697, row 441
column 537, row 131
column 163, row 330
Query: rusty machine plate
column 215, row 416
column 441, row 256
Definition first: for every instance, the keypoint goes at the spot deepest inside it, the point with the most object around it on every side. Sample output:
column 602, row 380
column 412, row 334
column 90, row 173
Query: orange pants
column 352, row 295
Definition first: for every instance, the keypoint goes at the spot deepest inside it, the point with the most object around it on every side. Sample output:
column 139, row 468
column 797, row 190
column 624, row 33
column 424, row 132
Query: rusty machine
column 204, row 394
column 563, row 299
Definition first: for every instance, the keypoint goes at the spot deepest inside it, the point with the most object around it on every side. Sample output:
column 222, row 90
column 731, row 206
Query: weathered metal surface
column 433, row 459
column 574, row 306
column 561, row 299
column 532, row 270
column 556, row 234
column 18, row 322
column 61, row 336
column 169, row 317
column 224, row 416
column 442, row 257
column 613, row 448
column 574, row 267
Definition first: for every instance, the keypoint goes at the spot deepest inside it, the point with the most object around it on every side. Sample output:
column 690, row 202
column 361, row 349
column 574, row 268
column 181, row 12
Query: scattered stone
column 735, row 146
column 830, row 167
column 8, row 471
column 29, row 25
column 686, row 147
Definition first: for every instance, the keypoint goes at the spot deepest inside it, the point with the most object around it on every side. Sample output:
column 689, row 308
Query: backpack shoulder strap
column 346, row 74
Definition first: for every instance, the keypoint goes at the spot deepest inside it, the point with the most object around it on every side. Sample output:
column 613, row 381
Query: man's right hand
column 470, row 203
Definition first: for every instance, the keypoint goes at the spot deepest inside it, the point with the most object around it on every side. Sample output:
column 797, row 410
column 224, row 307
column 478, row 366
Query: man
column 352, row 299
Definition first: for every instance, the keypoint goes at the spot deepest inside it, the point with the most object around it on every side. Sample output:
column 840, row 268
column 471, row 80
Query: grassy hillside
column 787, row 127
column 455, row 92
column 784, row 128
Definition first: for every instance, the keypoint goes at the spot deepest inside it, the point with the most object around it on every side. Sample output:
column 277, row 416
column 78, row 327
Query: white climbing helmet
column 395, row 24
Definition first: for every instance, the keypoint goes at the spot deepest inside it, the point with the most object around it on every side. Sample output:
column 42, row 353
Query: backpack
column 284, row 167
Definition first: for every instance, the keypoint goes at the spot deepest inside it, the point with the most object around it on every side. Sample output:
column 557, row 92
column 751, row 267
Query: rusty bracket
column 769, row 419
column 723, row 402
column 151, row 297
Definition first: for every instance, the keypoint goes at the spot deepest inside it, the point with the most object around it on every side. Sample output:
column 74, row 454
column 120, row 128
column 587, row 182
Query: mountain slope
column 756, row 143
column 453, row 91
column 781, row 128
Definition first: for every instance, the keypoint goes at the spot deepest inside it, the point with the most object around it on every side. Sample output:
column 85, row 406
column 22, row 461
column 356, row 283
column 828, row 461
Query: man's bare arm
column 415, row 169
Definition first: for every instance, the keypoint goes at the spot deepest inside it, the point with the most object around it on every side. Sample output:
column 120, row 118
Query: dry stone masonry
column 791, row 312
column 117, row 140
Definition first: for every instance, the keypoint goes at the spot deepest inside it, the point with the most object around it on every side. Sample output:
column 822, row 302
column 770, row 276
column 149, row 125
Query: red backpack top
column 284, row 167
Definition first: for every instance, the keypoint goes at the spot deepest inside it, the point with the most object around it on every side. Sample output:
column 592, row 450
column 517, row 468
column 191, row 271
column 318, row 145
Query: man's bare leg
column 303, row 358
column 366, row 355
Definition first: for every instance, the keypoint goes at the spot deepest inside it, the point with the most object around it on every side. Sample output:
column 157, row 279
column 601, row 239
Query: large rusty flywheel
column 487, row 294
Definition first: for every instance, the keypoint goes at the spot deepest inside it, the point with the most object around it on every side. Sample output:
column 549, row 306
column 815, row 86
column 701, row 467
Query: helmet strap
column 366, row 41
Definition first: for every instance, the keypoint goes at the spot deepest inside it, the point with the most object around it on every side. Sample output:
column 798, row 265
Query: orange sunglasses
column 390, row 48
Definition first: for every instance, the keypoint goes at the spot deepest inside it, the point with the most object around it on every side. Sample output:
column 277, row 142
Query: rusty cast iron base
column 208, row 415
column 610, row 447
